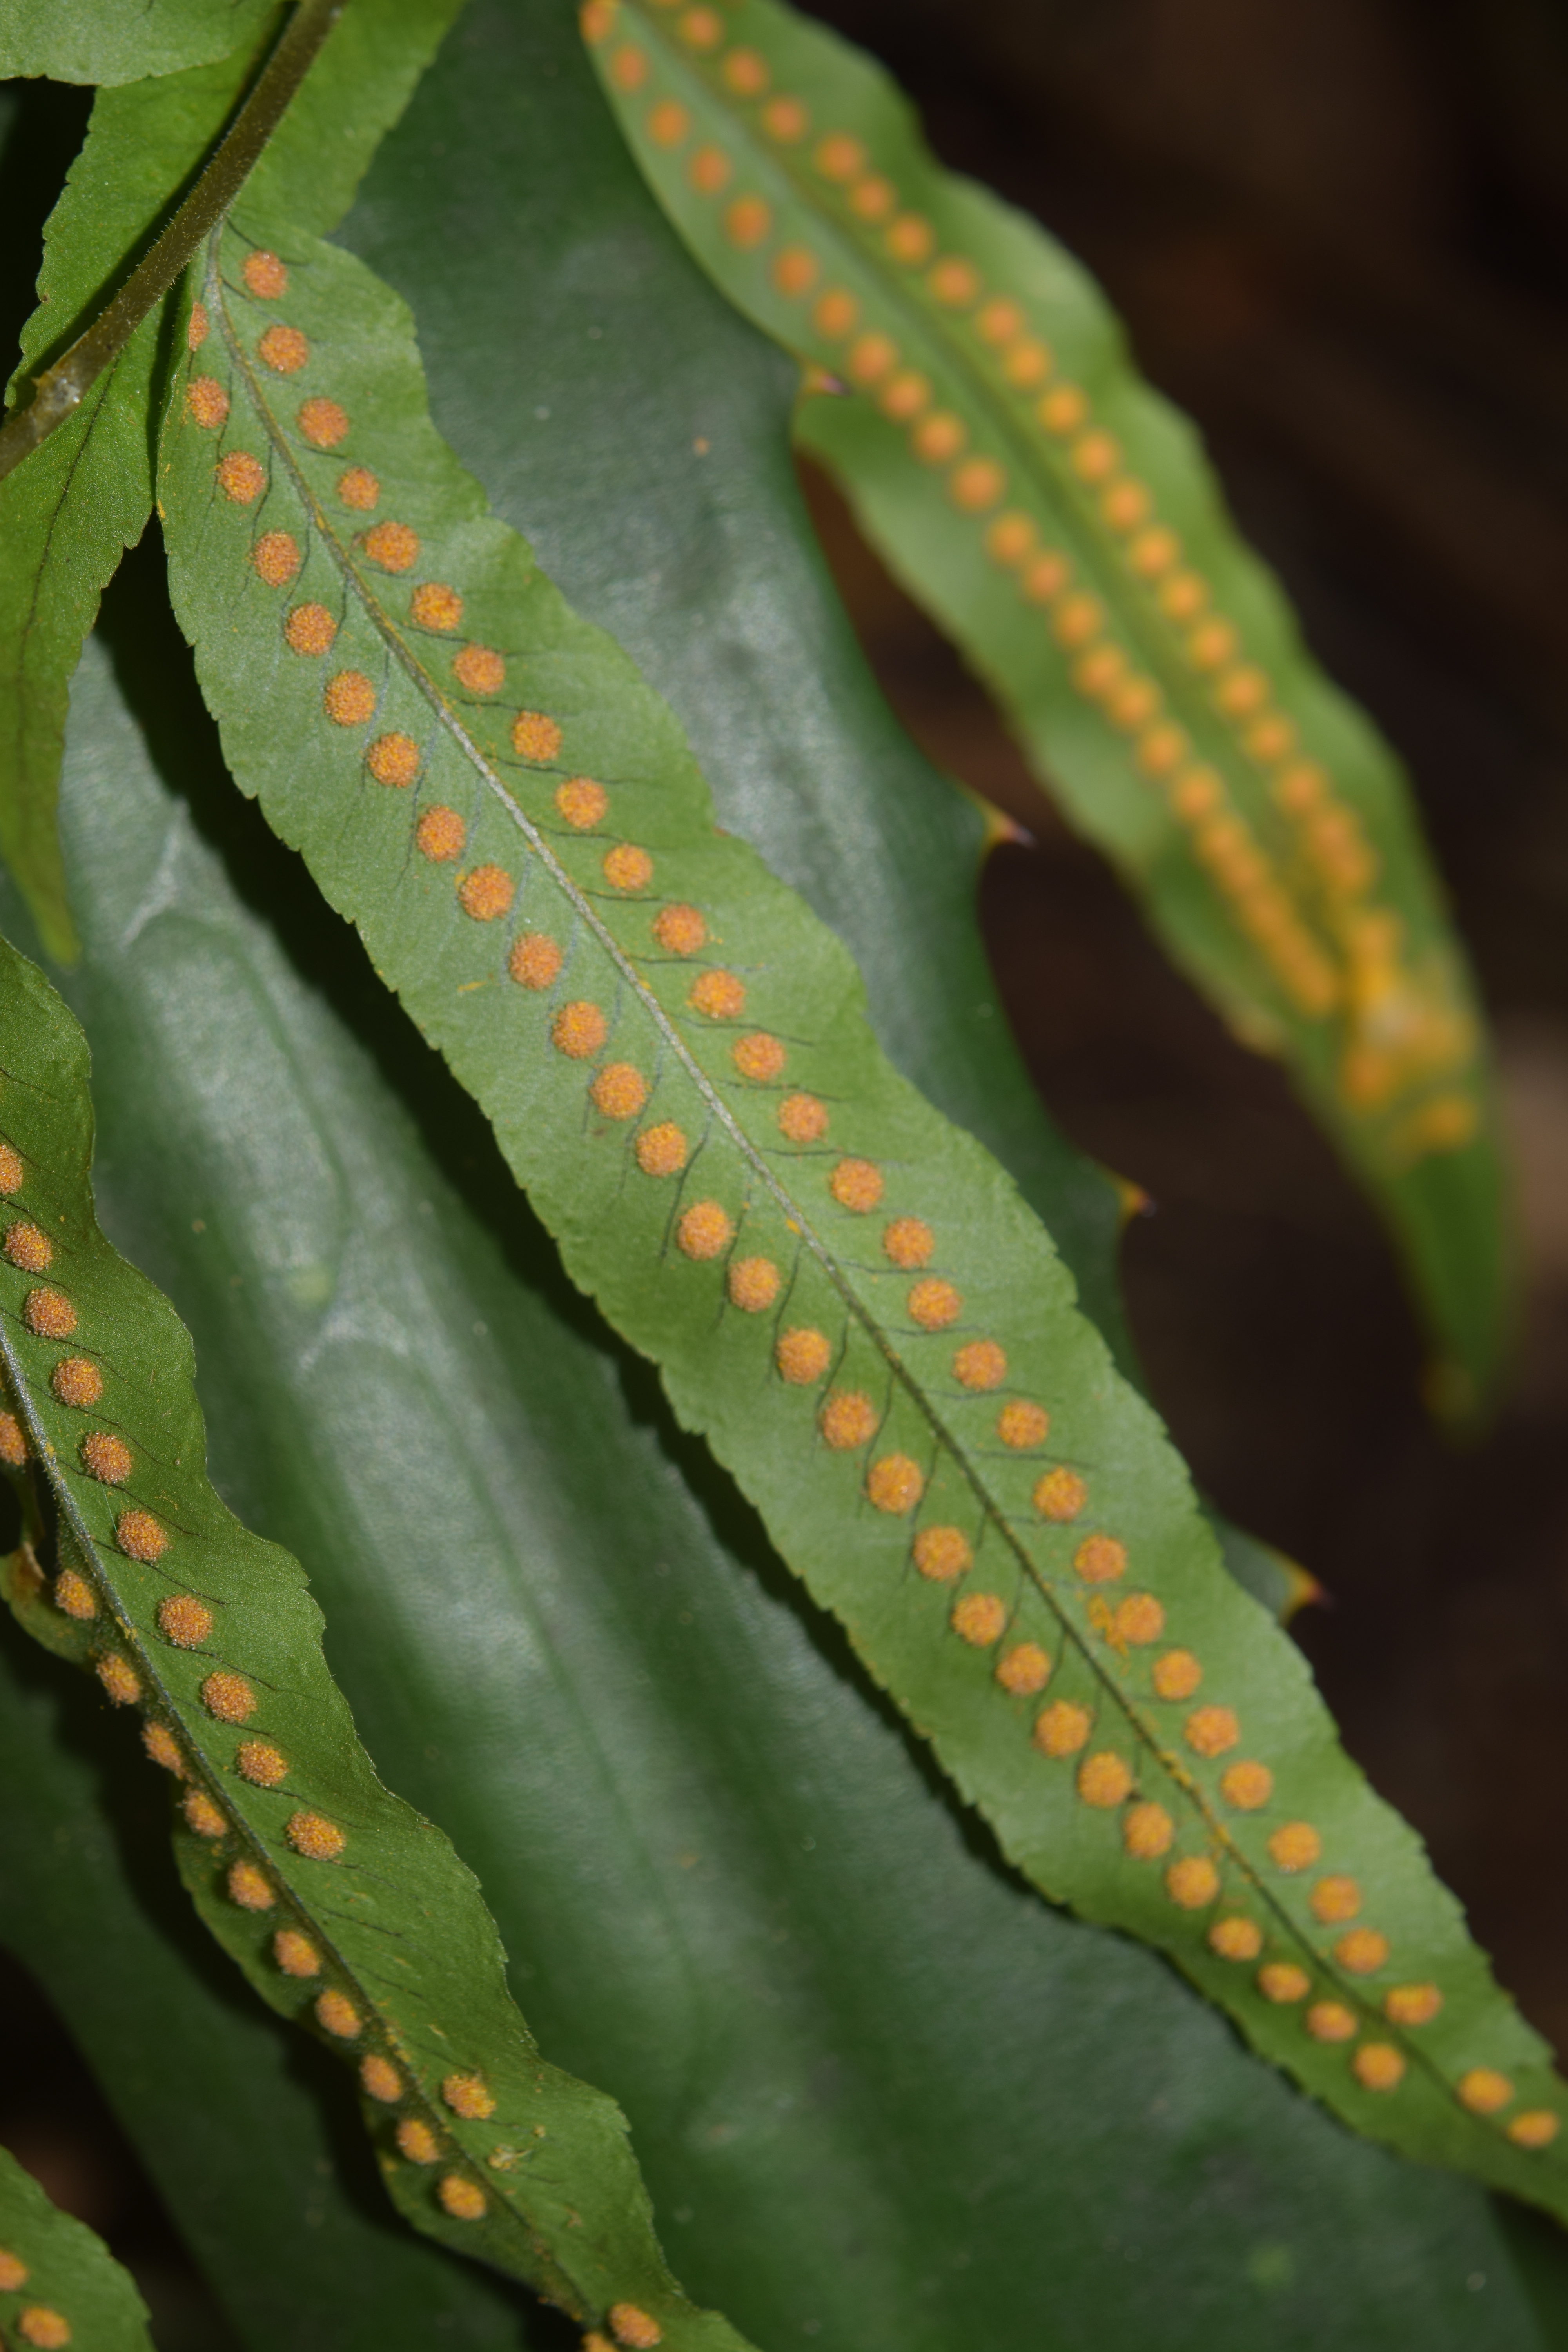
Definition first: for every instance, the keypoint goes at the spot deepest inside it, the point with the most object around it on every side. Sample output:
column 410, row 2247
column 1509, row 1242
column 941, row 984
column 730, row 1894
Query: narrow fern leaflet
column 59, row 2285
column 846, row 1294
column 350, row 1914
column 1059, row 520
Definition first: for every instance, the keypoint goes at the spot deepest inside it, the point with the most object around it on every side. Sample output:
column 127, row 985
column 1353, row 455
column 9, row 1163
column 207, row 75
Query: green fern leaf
column 115, row 41
column 844, row 1293
column 346, row 1910
column 1059, row 520
column 59, row 2285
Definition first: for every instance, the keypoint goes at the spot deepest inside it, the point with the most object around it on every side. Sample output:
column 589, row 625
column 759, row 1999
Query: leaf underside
column 845, row 1296
column 971, row 391
column 58, row 2282
column 349, row 1913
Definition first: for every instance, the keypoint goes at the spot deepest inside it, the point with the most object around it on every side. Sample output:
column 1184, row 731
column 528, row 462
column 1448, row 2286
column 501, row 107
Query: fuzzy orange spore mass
column 938, row 437
column 785, row 120
column 467, row 2096
column 801, row 1356
column 835, row 314
column 393, row 759
column 1137, row 1620
column 27, row 1246
column 1295, row 1846
column 802, row 1119
column 1191, row 1882
column 870, row 357
column 718, row 995
column 310, row 629
column 440, row 835
column 323, row 423
column 680, row 930
column 1104, row 1779
column 980, row 1364
column 753, row 1284
column 314, row 1836
column 12, row 1170
column 975, row 485
column 284, row 349
column 629, row 66
column 628, row 867
column 1484, row 2091
column 336, row 2014
column 980, row 1619
column 1022, row 1425
column 381, row 2078
column 228, row 1697
column 249, row 1887
column 1378, row 2066
column 418, row 2141
column 140, row 1536
column 535, row 737
column 747, row 223
column 618, row 1091
column 360, row 489
column 934, row 1305
column 1211, row 1730
column 184, row 1620
column 1247, row 1786
column 1024, row 1670
column 480, row 668
column 207, row 402
column 1411, row 2004
column 295, row 1954
column 1335, row 1898
column 487, row 893
column 662, row 1149
column 796, row 271
column 708, row 171
column 579, row 1029
column 747, row 72
column 198, row 326
column 1236, row 1940
column 204, row 1817
column 895, row 1483
column 667, row 123
column 705, row 1231
column 1047, row 576
column 1536, row 2128
column 276, row 558
column 1330, row 2020
column 942, row 1554
column 265, row 275
column 74, row 1595
column 1098, row 1559
column 857, row 1184
column 260, row 1763
column 1062, row 1729
column 435, row 606
column 1060, row 1496
column 43, row 2327
column 463, row 2199
column 107, row 1457
column 633, row 2327
column 908, row 1242
column 872, row 198
column 350, row 698
column 391, row 546
column 1283, row 1982
column 1176, row 1676
column 1362, row 1951
column 1147, row 1833
column 758, row 1058
column 848, row 1420
column 535, row 960
column 13, row 1444
column 582, row 802
column 162, row 1747
column 121, row 1684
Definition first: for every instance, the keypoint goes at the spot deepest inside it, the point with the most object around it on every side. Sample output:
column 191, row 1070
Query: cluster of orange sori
column 38, row 2324
column 1338, row 858
column 187, row 1622
column 630, row 2325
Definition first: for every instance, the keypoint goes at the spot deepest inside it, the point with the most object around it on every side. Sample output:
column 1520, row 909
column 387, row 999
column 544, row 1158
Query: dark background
column 1336, row 229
